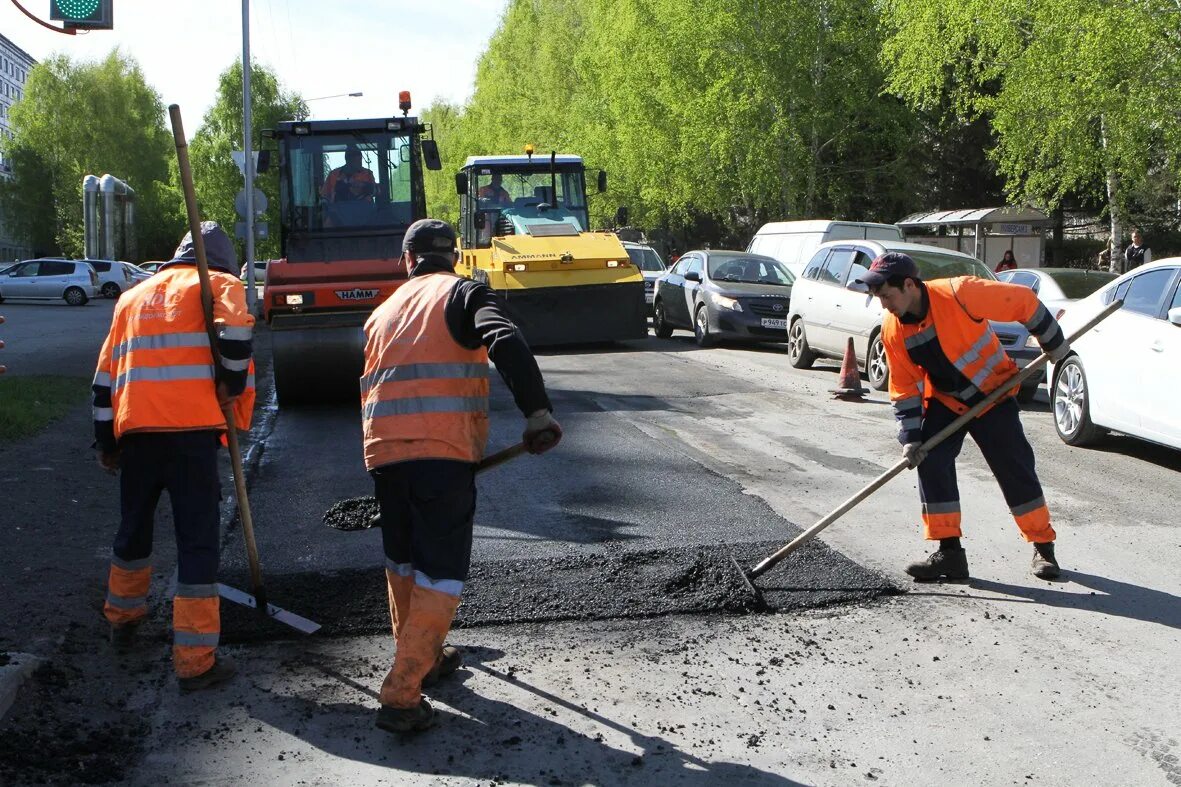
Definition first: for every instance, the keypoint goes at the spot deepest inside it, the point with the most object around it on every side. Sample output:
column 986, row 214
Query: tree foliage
column 216, row 177
column 81, row 118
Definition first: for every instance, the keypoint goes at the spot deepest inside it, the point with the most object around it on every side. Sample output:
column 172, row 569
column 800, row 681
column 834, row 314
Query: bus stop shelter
column 985, row 233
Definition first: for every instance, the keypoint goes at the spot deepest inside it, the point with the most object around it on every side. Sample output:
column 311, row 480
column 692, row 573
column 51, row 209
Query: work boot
column 222, row 670
column 946, row 562
column 123, row 635
column 1045, row 565
column 404, row 720
column 450, row 659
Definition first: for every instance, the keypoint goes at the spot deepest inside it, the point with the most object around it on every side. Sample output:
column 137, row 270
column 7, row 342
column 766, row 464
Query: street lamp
column 358, row 94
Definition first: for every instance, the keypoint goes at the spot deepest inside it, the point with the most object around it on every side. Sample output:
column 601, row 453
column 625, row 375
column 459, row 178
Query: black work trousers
column 185, row 465
column 427, row 510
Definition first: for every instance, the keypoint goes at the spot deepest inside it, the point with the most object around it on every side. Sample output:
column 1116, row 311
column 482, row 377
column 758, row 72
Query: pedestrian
column 1105, row 256
column 424, row 397
column 158, row 420
column 1137, row 253
column 944, row 358
column 1008, row 262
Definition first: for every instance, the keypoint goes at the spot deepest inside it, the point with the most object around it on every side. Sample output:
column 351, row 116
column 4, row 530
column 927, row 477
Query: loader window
column 522, row 191
column 339, row 181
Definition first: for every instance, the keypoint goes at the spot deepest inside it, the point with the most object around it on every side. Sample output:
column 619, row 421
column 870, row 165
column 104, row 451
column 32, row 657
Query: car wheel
column 659, row 323
column 798, row 353
column 1072, row 407
column 877, row 368
column 110, row 290
column 75, row 297
column 701, row 328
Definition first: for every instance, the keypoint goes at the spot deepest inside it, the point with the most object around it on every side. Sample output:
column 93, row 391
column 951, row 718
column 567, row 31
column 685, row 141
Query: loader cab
column 520, row 195
column 349, row 188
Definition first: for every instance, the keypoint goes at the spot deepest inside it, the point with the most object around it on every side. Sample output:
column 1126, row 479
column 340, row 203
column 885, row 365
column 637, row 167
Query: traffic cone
column 849, row 385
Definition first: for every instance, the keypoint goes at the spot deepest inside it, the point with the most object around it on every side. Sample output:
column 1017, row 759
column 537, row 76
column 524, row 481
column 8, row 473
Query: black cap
column 429, row 236
column 888, row 265
column 219, row 249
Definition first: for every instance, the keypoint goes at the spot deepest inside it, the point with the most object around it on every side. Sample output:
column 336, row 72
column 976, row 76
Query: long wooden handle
column 186, row 179
column 939, row 437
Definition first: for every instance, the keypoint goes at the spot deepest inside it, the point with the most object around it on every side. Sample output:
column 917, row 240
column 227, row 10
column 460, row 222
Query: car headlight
column 728, row 303
column 1031, row 342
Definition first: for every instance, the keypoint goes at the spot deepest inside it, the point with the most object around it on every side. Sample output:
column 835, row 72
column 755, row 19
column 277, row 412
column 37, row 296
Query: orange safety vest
column 362, row 177
column 157, row 360
column 957, row 324
column 423, row 395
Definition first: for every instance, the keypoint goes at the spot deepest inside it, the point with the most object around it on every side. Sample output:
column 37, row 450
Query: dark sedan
column 724, row 295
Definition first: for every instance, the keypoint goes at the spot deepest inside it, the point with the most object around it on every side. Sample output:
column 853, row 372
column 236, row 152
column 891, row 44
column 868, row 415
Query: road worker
column 350, row 183
column 944, row 358
column 158, row 419
column 424, row 396
column 494, row 193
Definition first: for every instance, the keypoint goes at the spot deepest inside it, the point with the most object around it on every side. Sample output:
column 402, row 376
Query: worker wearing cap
column 944, row 358
column 158, row 418
column 424, row 396
column 350, row 183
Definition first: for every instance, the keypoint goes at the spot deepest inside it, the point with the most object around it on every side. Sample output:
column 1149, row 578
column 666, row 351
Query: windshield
column 349, row 180
column 1080, row 284
column 933, row 265
column 528, row 193
column 749, row 269
column 645, row 259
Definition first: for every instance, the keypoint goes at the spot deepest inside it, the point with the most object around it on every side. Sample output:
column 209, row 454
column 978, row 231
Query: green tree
column 216, row 177
column 1080, row 93
column 80, row 118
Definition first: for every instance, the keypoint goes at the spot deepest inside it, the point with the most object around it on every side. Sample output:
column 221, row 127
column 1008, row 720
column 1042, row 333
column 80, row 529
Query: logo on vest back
column 356, row 295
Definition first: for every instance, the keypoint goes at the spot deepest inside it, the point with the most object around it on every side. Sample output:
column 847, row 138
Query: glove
column 1059, row 353
column 542, row 432
column 109, row 461
column 913, row 453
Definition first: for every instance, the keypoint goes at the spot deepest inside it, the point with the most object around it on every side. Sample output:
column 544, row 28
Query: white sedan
column 1125, row 374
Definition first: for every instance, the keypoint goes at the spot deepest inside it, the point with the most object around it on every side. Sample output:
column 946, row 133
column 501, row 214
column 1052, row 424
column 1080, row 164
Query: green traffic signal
column 76, row 9
column 82, row 14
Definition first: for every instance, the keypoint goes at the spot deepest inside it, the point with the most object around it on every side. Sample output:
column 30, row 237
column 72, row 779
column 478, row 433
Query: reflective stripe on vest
column 424, row 396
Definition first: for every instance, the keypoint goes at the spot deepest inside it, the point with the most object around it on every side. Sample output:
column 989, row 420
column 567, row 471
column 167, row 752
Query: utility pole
column 248, row 167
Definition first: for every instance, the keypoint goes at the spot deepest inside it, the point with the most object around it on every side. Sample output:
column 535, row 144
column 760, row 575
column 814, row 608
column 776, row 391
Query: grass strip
column 29, row 403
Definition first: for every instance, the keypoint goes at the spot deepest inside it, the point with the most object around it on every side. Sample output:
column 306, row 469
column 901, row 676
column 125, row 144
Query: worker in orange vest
column 351, row 183
column 158, row 419
column 944, row 358
column 424, row 397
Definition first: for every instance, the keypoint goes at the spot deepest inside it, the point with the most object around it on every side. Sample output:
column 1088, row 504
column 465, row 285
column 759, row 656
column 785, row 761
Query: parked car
column 825, row 311
column 1124, row 374
column 724, row 295
column 1056, row 288
column 73, row 281
column 260, row 272
column 115, row 276
column 151, row 267
column 651, row 267
column 794, row 242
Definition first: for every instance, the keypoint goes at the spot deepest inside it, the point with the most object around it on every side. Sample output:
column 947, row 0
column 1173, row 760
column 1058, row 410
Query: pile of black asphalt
column 611, row 584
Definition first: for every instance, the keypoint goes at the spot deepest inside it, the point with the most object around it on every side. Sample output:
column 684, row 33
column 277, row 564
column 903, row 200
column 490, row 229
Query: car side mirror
column 693, row 276
column 857, row 286
column 430, row 155
column 1175, row 316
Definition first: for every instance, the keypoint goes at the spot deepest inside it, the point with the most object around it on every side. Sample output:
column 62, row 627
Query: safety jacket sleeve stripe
column 162, row 341
column 123, row 602
column 1040, row 320
column 452, row 587
column 400, row 569
column 237, row 333
column 906, row 383
column 1052, row 338
column 1032, row 505
column 189, row 639
column 911, row 402
column 132, row 565
column 163, row 374
column 911, row 424
column 102, row 379
column 196, row 591
column 425, row 371
column 426, row 404
column 233, row 365
column 104, row 414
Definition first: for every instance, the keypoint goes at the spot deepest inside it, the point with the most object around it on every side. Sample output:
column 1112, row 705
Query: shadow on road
column 490, row 739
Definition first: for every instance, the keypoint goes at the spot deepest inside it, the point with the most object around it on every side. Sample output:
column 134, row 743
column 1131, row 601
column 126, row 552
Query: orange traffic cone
column 849, row 385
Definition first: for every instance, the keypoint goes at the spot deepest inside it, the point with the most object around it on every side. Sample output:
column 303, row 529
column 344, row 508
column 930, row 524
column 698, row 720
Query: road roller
column 349, row 189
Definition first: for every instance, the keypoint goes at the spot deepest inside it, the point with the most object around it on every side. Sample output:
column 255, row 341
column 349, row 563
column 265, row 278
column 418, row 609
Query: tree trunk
column 1113, row 208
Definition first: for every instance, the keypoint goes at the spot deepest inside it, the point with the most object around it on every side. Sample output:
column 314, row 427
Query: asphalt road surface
column 52, row 338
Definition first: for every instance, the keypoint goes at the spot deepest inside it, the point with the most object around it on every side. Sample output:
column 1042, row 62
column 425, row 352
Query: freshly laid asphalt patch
column 354, row 513
column 614, row 583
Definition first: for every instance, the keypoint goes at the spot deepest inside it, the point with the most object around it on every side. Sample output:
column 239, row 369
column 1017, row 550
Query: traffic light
column 82, row 14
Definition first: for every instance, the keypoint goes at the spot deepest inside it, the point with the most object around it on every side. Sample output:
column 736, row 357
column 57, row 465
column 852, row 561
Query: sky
column 317, row 48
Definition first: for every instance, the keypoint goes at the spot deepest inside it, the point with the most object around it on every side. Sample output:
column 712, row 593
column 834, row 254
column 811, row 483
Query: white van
column 793, row 242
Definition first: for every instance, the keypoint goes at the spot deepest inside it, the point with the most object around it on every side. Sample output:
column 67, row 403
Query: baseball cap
column 885, row 266
column 429, row 236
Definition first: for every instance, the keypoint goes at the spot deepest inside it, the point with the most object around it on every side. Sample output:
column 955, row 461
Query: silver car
column 73, row 281
column 116, row 276
column 651, row 267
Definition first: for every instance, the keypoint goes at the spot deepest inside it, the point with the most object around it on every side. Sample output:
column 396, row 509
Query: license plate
column 770, row 323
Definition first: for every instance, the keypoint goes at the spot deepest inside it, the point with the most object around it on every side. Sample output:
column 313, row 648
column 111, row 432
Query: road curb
column 16, row 668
